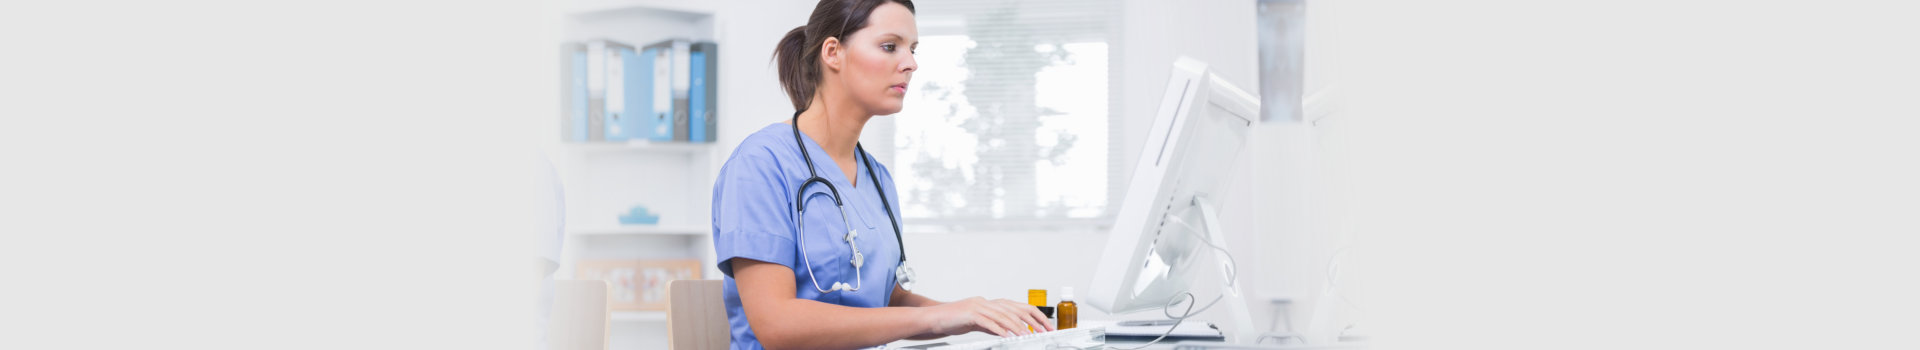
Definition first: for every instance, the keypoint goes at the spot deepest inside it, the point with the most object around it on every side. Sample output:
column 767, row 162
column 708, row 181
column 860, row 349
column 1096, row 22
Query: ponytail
column 799, row 71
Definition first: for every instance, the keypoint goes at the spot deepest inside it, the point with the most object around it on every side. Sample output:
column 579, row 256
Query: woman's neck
column 835, row 125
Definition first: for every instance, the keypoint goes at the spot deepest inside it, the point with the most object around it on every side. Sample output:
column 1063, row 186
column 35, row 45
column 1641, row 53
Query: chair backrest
column 580, row 316
column 697, row 315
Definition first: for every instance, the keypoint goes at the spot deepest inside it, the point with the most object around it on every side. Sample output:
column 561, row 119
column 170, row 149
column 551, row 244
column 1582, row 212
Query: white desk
column 980, row 336
column 1163, row 345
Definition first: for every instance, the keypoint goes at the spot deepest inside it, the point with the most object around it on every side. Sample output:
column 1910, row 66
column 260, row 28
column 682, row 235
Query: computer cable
column 1190, row 312
column 1232, row 278
column 1333, row 270
column 1233, row 266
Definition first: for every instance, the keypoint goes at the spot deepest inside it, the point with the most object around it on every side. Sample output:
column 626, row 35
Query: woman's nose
column 909, row 65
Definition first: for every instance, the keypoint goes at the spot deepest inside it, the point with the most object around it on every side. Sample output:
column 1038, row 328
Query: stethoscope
column 902, row 275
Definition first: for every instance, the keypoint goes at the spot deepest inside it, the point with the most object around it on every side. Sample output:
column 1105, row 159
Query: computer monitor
column 1177, row 184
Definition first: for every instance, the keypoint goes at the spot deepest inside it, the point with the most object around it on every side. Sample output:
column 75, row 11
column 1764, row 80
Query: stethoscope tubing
column 800, row 204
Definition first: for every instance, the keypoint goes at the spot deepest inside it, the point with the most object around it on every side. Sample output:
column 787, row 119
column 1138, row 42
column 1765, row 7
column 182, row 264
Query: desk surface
column 1164, row 344
column 981, row 336
column 978, row 336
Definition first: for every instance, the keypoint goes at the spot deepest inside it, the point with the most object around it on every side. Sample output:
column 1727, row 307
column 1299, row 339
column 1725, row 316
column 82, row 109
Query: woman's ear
column 830, row 53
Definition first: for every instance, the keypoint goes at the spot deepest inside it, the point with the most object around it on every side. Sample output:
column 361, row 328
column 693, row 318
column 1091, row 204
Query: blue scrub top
column 753, row 218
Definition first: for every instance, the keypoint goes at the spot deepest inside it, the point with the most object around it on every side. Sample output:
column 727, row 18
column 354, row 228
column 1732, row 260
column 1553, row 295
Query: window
column 1008, row 120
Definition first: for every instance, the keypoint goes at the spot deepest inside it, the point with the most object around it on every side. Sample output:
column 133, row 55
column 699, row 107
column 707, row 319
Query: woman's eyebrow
column 895, row 36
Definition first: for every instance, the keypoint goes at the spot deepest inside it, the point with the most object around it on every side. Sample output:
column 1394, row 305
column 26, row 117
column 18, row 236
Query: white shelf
column 639, row 316
column 639, row 147
column 638, row 230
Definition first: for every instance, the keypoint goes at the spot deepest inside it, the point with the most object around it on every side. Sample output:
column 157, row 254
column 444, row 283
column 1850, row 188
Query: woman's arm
column 902, row 297
column 782, row 321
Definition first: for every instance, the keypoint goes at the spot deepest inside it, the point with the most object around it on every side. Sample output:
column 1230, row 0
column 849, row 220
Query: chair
column 580, row 316
column 697, row 315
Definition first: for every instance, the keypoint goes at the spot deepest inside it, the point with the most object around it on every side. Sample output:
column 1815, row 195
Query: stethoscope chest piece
column 904, row 276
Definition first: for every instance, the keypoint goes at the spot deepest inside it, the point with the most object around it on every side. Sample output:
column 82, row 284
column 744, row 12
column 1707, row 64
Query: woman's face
column 877, row 61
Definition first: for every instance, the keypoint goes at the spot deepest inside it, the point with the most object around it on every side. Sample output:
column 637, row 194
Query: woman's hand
column 1001, row 317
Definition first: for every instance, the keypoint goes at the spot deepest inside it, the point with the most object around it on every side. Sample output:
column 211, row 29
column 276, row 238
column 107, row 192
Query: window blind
column 1008, row 120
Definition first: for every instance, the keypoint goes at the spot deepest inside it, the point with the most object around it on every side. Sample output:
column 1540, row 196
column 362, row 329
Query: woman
column 797, row 275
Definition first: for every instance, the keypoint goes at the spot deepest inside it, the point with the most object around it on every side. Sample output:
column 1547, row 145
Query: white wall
column 751, row 93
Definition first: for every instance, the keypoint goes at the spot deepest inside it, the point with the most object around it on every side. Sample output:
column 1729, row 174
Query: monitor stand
column 1243, row 331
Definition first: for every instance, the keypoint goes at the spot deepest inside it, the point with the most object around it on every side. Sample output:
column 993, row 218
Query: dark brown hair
column 799, row 51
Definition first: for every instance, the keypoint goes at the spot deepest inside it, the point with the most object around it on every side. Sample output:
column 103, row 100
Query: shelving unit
column 604, row 179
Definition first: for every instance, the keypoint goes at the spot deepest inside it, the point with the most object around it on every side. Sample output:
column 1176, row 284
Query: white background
column 1664, row 174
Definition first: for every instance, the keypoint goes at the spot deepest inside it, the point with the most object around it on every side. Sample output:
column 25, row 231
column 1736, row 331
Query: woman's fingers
column 1012, row 310
column 993, row 324
column 1031, row 315
column 1013, row 325
column 1034, row 314
column 990, row 325
column 1020, row 313
column 1006, row 318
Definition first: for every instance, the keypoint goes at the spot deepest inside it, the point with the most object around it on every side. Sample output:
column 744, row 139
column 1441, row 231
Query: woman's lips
column 900, row 88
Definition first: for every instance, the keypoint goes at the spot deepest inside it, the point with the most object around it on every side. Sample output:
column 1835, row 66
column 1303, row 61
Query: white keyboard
column 1077, row 338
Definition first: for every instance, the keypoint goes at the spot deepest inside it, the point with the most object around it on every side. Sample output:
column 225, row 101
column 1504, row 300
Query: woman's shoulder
column 762, row 148
column 774, row 132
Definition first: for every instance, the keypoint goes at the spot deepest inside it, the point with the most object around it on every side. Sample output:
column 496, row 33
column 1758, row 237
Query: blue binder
column 660, row 92
column 633, row 80
column 698, row 98
column 658, row 123
column 620, row 118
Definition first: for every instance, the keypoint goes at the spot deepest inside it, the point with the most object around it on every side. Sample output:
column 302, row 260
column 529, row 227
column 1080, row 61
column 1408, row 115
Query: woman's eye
column 888, row 47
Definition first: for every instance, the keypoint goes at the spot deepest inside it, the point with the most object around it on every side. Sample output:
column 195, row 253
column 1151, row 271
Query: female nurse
column 827, row 278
